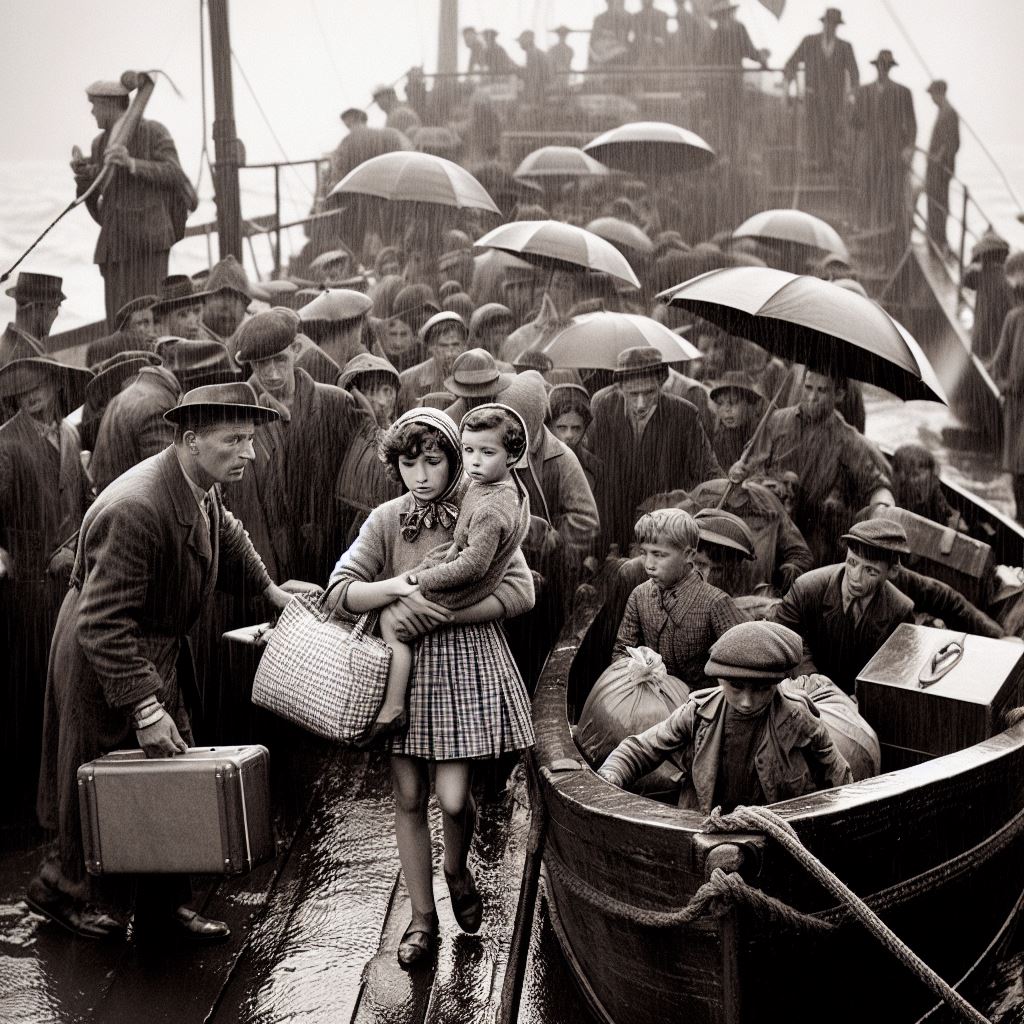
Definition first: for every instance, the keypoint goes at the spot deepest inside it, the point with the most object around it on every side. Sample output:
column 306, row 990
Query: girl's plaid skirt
column 466, row 698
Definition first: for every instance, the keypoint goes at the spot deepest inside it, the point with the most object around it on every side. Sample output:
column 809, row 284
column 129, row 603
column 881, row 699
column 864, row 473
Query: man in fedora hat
column 883, row 112
column 37, row 299
column 136, row 318
column 112, row 374
column 141, row 210
column 649, row 442
column 443, row 337
column 178, row 310
column 44, row 493
column 830, row 78
column 476, row 378
column 228, row 294
column 845, row 612
column 147, row 561
column 943, row 146
column 287, row 501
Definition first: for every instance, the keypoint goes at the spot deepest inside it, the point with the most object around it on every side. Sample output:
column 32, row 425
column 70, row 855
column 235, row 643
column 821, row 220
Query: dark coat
column 825, row 76
column 941, row 601
column 43, row 494
column 795, row 756
column 833, row 644
column 993, row 301
column 137, row 210
column 1008, row 373
column 674, row 451
column 286, row 498
column 145, row 569
column 133, row 426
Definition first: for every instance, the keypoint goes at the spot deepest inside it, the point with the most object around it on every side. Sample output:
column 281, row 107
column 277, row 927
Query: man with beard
column 147, row 561
column 839, row 473
column 287, row 500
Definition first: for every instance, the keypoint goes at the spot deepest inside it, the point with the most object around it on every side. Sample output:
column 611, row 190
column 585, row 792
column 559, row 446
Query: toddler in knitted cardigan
column 494, row 518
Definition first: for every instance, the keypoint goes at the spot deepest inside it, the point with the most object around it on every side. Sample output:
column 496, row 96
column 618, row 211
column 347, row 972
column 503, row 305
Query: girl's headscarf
column 441, row 510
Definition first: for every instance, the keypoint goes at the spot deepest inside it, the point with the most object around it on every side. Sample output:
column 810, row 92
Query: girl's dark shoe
column 466, row 903
column 381, row 730
column 419, row 943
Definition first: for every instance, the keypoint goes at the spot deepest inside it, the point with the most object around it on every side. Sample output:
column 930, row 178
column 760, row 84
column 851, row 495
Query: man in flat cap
column 747, row 740
column 337, row 325
column 884, row 114
column 37, row 299
column 121, row 673
column 142, row 207
column 287, row 501
column 830, row 77
column 845, row 612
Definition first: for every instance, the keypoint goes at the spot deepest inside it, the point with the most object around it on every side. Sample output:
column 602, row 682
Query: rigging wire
column 266, row 120
column 204, row 152
column 977, row 138
column 323, row 38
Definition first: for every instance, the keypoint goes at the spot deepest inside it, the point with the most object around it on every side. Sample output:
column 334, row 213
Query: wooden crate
column 967, row 705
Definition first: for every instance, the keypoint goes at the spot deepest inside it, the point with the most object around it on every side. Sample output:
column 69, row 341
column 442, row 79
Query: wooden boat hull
column 936, row 849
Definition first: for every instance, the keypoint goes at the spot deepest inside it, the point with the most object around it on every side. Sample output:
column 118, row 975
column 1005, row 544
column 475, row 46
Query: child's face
column 733, row 409
column 665, row 564
column 484, row 457
column 569, row 428
column 747, row 697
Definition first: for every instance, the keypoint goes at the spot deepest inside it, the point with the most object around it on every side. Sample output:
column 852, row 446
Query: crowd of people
column 387, row 409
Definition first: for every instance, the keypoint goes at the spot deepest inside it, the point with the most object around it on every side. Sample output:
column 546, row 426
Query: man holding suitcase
column 120, row 671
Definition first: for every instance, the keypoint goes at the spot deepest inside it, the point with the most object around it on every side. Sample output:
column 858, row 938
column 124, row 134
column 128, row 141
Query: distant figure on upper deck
column 477, row 50
column 400, row 116
column 830, row 77
column 650, row 34
column 535, row 72
column 684, row 47
column 942, row 150
column 142, row 208
column 560, row 55
column 609, row 36
column 496, row 58
column 884, row 114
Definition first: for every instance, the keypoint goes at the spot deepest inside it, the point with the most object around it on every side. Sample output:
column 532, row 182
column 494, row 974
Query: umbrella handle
column 754, row 438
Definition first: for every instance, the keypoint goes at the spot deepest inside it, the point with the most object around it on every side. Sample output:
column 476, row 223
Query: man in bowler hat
column 147, row 561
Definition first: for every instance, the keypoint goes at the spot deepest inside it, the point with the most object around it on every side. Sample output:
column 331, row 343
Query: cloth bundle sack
column 324, row 675
column 631, row 695
column 850, row 732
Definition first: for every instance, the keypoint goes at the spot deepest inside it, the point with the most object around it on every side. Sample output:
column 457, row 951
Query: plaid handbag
column 327, row 676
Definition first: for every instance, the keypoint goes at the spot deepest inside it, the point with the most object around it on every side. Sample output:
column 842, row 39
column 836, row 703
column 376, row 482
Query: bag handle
column 943, row 661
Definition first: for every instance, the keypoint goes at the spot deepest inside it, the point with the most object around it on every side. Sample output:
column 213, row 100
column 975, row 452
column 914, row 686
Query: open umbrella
column 557, row 246
column 559, row 164
column 416, row 178
column 621, row 234
column 594, row 340
column 651, row 147
column 358, row 147
column 808, row 320
column 794, row 227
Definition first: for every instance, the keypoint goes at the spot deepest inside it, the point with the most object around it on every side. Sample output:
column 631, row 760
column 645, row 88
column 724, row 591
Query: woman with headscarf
column 454, row 718
column 569, row 416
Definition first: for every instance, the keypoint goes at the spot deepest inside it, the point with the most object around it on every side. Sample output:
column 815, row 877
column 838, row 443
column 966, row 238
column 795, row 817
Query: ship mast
column 228, row 150
column 448, row 38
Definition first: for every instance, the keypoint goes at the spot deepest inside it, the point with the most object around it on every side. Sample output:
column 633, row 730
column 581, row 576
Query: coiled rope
column 725, row 891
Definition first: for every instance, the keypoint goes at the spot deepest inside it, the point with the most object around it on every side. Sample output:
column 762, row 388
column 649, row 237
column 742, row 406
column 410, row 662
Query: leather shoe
column 202, row 929
column 78, row 918
column 419, row 943
column 467, row 906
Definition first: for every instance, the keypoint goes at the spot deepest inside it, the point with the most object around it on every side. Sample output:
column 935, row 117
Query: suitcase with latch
column 206, row 811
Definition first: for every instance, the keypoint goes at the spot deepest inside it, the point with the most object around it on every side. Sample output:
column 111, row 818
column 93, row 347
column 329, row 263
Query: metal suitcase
column 966, row 704
column 206, row 811
column 964, row 563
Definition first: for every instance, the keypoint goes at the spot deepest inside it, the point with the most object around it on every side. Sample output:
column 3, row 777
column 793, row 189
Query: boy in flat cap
column 744, row 741
column 846, row 612
column 674, row 612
